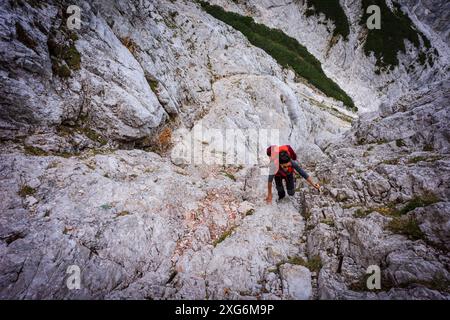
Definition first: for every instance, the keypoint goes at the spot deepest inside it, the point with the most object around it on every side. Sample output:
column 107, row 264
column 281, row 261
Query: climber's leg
column 290, row 184
column 280, row 187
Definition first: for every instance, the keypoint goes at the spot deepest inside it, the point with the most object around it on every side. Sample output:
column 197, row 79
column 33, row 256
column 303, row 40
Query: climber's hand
column 269, row 199
column 317, row 186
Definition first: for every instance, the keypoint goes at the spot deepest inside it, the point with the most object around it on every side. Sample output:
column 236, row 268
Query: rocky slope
column 97, row 168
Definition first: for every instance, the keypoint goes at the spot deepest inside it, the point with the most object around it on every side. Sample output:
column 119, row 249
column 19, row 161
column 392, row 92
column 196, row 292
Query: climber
column 282, row 165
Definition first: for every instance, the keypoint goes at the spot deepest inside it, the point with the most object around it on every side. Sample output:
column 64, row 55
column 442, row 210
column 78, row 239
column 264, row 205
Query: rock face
column 112, row 159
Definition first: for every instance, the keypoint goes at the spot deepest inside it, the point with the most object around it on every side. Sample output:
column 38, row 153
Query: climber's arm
column 269, row 189
column 305, row 175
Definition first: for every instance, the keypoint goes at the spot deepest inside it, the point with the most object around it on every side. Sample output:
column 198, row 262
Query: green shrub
column 34, row 151
column 407, row 226
column 333, row 11
column 418, row 202
column 387, row 42
column 223, row 236
column 314, row 264
column 400, row 143
column 26, row 191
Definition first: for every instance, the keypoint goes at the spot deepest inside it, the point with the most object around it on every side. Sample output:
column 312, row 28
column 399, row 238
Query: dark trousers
column 290, row 185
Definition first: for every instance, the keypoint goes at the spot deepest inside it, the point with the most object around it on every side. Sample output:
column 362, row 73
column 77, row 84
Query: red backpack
column 274, row 151
column 277, row 150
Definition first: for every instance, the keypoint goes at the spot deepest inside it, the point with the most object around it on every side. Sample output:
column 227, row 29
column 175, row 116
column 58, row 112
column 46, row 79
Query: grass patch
column 72, row 58
column 390, row 209
column 328, row 221
column 34, row 151
column 400, row 143
column 223, row 236
column 61, row 47
column 81, row 127
column 407, row 226
column 250, row 212
column 387, row 42
column 332, row 11
column 314, row 264
column 26, row 191
column 153, row 83
column 391, row 161
column 417, row 159
column 284, row 49
column 94, row 136
column 229, row 175
column 419, row 202
column 360, row 213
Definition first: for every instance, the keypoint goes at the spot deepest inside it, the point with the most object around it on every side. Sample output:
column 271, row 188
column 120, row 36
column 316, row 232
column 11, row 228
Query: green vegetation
column 396, row 27
column 250, row 212
column 94, row 136
column 64, row 58
column 391, row 161
column 34, row 151
column 72, row 57
column 328, row 221
column 332, row 11
column 152, row 83
column 284, row 49
column 229, row 175
column 81, row 127
column 26, row 191
column 417, row 159
column 407, row 226
column 400, row 143
column 314, row 264
column 390, row 210
column 428, row 147
column 224, row 235
column 360, row 213
column 61, row 47
column 418, row 202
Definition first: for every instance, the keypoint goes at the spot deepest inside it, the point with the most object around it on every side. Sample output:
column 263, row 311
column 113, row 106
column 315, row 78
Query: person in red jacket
column 282, row 166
